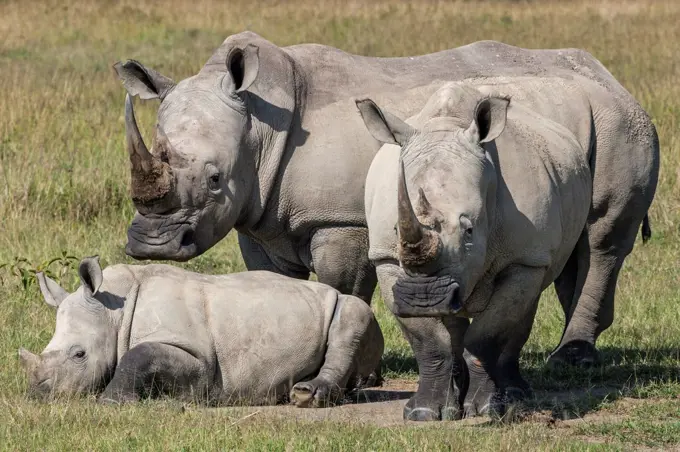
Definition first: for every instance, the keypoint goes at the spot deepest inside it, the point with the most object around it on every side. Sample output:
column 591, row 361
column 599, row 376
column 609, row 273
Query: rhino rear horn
column 418, row 245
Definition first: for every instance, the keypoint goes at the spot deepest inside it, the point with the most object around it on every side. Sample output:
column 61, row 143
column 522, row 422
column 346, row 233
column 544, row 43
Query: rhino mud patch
column 383, row 407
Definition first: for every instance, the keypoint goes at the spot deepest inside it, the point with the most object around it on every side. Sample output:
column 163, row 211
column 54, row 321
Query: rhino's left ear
column 90, row 272
column 243, row 65
column 142, row 81
column 489, row 120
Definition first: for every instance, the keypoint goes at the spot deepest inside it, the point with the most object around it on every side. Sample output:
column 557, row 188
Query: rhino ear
column 489, row 121
column 142, row 81
column 90, row 273
column 52, row 292
column 243, row 65
column 384, row 127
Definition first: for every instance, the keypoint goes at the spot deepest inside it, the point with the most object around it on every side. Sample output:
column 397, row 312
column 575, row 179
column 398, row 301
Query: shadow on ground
column 563, row 392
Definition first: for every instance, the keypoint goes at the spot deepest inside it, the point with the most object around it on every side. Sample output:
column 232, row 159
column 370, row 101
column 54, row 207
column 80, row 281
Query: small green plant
column 25, row 271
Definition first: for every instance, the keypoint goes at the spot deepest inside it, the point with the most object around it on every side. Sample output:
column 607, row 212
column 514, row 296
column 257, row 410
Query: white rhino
column 138, row 331
column 495, row 190
column 266, row 140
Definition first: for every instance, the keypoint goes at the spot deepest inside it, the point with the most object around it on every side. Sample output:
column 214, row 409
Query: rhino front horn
column 151, row 177
column 417, row 244
column 29, row 361
column 140, row 157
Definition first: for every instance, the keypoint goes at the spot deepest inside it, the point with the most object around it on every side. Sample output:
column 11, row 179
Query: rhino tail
column 646, row 229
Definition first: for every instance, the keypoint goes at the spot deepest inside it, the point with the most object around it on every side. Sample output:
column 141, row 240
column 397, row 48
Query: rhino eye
column 214, row 182
column 466, row 226
column 78, row 354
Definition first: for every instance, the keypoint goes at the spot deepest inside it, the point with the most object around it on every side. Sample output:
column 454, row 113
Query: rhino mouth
column 426, row 296
column 160, row 239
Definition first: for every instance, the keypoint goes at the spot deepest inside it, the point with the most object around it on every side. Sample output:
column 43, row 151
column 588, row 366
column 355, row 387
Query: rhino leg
column 340, row 259
column 256, row 258
column 625, row 166
column 438, row 347
column 153, row 369
column 587, row 287
column 355, row 345
column 494, row 340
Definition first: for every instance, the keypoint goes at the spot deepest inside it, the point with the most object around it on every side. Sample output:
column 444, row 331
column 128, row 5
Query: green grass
column 64, row 188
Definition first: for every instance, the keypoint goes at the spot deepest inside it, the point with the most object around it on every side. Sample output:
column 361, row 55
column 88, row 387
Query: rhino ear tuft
column 51, row 291
column 490, row 118
column 243, row 65
column 142, row 81
column 384, row 126
column 90, row 272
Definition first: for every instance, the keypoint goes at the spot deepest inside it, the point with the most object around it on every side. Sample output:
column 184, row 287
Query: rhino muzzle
column 159, row 239
column 429, row 296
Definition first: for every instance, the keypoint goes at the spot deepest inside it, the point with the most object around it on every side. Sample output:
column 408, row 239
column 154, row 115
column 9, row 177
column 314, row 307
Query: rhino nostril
column 188, row 238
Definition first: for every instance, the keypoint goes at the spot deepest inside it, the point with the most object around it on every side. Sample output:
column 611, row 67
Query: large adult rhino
column 496, row 189
column 266, row 140
column 137, row 331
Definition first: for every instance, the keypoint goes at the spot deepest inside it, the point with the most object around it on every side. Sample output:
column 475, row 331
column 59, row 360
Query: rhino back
column 339, row 148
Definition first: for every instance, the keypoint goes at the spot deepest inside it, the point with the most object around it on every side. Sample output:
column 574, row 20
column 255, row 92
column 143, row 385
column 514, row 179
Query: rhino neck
column 274, row 102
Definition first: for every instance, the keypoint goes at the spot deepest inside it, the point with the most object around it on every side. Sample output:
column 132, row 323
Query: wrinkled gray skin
column 138, row 331
column 496, row 189
column 266, row 140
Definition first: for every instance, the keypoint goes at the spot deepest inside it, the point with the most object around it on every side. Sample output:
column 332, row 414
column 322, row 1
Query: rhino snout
column 429, row 296
column 148, row 241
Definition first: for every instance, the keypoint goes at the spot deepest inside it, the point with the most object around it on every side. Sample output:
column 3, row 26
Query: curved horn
column 410, row 229
column 151, row 177
column 418, row 245
column 140, row 157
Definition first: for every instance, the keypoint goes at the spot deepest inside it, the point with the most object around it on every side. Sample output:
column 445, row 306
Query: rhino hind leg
column 587, row 289
column 355, row 345
column 153, row 369
column 340, row 259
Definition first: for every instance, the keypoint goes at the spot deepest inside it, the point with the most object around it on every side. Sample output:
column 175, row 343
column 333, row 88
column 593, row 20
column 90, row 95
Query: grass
column 64, row 189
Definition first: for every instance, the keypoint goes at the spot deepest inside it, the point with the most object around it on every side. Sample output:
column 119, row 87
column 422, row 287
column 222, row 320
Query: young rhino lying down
column 138, row 331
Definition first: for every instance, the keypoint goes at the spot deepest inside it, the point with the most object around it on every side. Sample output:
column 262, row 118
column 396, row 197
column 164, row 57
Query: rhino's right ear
column 91, row 276
column 384, row 127
column 142, row 81
column 52, row 292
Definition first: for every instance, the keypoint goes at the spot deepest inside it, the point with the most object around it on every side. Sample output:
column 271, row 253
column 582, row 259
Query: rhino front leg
column 438, row 348
column 153, row 369
column 494, row 340
column 355, row 345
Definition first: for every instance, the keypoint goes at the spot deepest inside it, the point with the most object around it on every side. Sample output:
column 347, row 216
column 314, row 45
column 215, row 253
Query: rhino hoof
column 421, row 414
column 428, row 414
column 576, row 354
column 312, row 394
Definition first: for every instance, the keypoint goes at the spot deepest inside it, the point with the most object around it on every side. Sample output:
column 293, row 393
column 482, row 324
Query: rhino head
column 81, row 356
column 192, row 187
column 446, row 196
